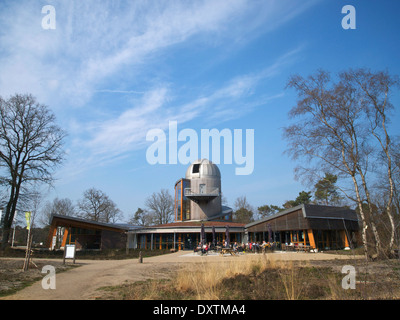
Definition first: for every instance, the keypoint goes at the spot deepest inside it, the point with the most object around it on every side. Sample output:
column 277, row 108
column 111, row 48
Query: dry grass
column 263, row 278
column 204, row 279
column 13, row 278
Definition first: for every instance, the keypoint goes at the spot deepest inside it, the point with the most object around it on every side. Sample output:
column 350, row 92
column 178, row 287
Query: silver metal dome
column 201, row 169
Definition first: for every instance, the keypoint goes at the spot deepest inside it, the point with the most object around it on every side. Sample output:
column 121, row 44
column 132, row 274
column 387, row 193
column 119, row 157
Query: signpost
column 69, row 252
column 28, row 216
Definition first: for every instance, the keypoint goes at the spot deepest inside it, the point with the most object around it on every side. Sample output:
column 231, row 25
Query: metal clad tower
column 205, row 190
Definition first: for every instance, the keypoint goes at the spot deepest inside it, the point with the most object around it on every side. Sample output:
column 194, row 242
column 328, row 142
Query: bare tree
column 161, row 207
column 30, row 149
column 244, row 212
column 333, row 136
column 376, row 89
column 63, row 207
column 97, row 206
column 241, row 202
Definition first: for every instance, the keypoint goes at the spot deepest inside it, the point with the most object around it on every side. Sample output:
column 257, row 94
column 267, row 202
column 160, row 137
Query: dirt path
column 83, row 283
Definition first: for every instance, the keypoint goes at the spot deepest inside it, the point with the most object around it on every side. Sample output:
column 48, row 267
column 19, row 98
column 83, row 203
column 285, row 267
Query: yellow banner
column 28, row 219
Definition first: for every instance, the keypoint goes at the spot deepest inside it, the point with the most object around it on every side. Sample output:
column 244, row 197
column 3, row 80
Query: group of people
column 206, row 247
column 254, row 247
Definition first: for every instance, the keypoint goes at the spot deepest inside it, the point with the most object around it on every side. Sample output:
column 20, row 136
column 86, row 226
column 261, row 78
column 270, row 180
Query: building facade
column 198, row 196
column 320, row 227
column 197, row 203
column 86, row 234
column 201, row 217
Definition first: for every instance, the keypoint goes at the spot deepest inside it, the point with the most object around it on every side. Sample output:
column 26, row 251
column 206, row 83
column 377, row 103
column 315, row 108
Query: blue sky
column 111, row 71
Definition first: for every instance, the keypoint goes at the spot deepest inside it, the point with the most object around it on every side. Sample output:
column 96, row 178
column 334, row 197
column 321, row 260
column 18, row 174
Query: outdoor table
column 227, row 250
column 290, row 247
column 302, row 247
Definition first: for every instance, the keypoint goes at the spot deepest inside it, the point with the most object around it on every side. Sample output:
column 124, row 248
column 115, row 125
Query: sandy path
column 83, row 283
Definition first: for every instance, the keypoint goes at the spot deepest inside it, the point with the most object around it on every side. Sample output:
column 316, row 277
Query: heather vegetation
column 267, row 279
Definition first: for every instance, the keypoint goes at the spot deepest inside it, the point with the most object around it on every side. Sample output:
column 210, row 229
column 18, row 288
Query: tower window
column 196, row 168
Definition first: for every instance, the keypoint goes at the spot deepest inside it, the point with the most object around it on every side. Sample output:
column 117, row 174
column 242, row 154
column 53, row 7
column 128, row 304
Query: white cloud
column 126, row 132
column 95, row 41
column 92, row 42
column 99, row 47
column 119, row 135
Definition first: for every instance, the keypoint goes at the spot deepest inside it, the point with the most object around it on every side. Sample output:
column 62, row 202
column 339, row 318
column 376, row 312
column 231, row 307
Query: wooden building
column 86, row 234
column 317, row 226
column 185, row 235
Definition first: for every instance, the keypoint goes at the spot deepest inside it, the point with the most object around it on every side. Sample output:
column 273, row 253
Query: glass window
column 196, row 168
column 182, row 204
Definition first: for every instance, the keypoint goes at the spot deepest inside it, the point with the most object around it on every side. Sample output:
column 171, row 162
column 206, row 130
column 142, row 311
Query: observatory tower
column 198, row 195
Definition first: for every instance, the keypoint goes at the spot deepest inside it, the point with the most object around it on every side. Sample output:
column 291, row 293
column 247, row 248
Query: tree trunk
column 364, row 223
column 378, row 242
column 391, row 194
column 10, row 213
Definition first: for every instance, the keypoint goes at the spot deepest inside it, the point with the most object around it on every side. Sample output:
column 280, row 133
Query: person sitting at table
column 254, row 246
column 264, row 244
column 235, row 247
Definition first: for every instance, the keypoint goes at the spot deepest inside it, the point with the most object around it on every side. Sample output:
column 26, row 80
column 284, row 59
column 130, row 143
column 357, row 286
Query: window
column 196, row 168
column 182, row 204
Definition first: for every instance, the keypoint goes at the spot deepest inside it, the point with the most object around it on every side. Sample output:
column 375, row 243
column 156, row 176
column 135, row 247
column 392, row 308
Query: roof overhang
column 192, row 227
column 311, row 211
column 57, row 220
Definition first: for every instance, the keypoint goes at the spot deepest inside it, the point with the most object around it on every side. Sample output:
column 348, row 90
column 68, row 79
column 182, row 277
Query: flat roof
column 309, row 211
column 128, row 227
column 199, row 223
column 192, row 226
column 120, row 226
column 314, row 211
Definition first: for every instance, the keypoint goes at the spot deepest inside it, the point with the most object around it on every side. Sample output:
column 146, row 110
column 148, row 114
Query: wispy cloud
column 93, row 42
column 113, row 48
column 127, row 132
